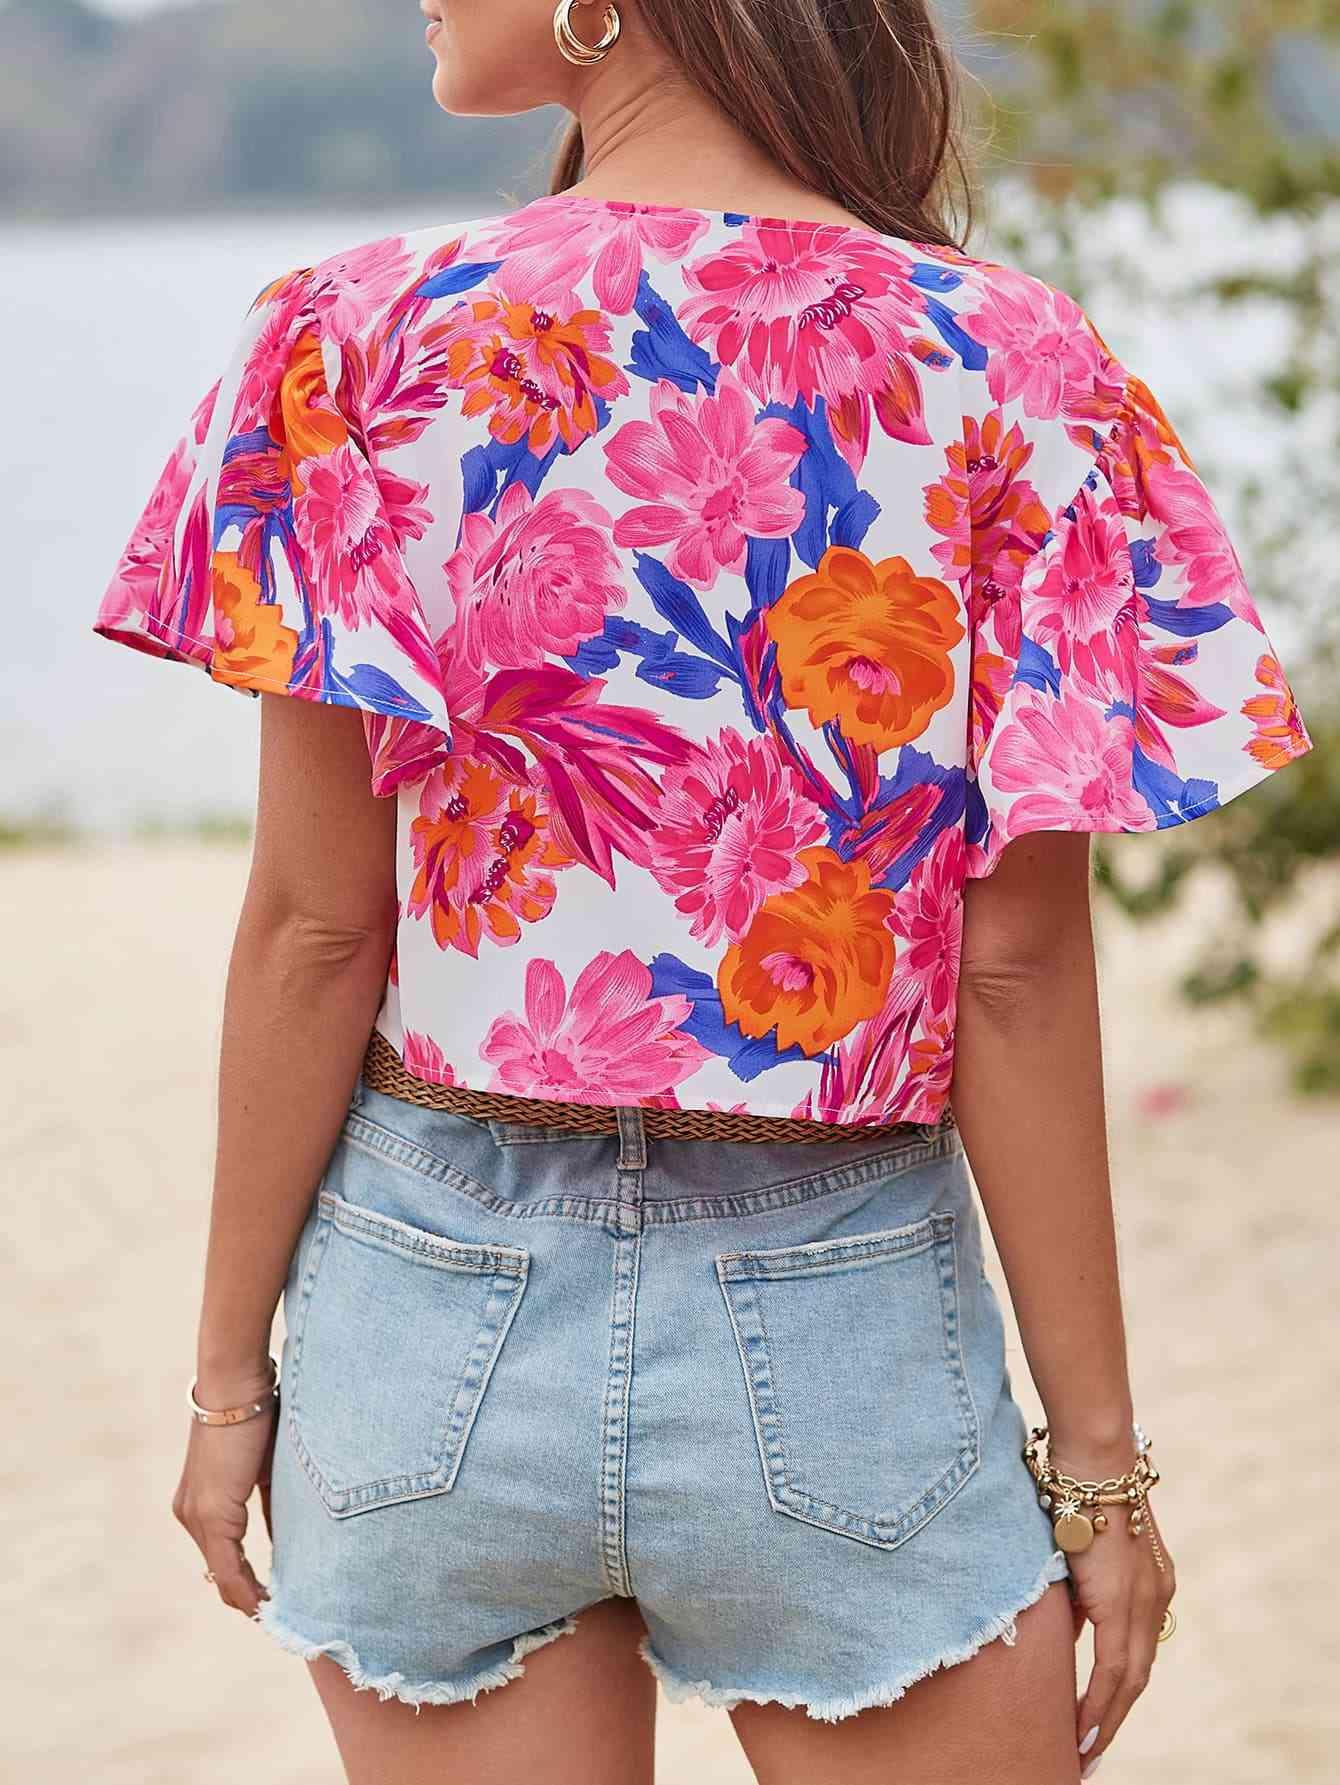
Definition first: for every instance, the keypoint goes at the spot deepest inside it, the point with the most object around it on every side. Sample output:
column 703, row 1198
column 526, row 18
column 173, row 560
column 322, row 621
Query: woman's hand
column 224, row 1464
column 1119, row 1589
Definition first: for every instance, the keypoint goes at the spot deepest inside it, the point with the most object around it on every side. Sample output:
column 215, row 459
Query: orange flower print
column 1139, row 448
column 992, row 519
column 482, row 846
column 1280, row 733
column 304, row 422
column 252, row 643
column 815, row 961
column 991, row 678
column 867, row 645
column 534, row 373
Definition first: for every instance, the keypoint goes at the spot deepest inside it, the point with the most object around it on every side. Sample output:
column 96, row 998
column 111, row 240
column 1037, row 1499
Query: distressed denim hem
column 395, row 1685
column 831, row 1710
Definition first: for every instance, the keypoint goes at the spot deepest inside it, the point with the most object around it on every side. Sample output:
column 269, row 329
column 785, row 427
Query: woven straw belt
column 383, row 1070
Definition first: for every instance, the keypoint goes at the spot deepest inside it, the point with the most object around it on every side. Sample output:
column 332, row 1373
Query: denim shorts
column 758, row 1388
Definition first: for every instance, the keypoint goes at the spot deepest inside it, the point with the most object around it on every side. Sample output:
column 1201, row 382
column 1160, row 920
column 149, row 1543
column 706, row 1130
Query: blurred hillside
column 197, row 107
column 238, row 102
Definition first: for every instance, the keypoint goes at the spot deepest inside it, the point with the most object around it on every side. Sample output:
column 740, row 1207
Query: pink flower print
column 550, row 249
column 537, row 374
column 993, row 521
column 1089, row 585
column 1280, row 735
column 134, row 587
column 729, row 830
column 355, row 568
column 610, row 1042
column 203, row 414
column 928, row 915
column 540, row 578
column 1194, row 537
column 930, row 1072
column 484, row 851
column 667, row 234
column 807, row 310
column 858, row 1077
column 349, row 289
column 708, row 476
column 990, row 682
column 425, row 1059
column 264, row 370
column 403, row 505
column 1070, row 767
column 1159, row 695
column 1086, row 609
column 1041, row 348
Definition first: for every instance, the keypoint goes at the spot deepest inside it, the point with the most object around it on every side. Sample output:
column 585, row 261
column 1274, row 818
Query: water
column 114, row 333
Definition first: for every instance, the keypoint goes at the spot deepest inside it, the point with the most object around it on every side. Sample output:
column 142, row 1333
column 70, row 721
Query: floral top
column 720, row 592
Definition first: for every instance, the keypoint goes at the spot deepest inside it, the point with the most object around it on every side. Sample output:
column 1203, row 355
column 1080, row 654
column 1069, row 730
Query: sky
column 132, row 8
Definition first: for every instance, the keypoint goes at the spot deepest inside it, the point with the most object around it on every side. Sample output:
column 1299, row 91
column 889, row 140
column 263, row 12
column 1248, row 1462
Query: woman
column 720, row 609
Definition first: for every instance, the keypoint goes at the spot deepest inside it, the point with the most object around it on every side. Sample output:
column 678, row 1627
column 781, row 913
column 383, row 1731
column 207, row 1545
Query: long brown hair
column 859, row 99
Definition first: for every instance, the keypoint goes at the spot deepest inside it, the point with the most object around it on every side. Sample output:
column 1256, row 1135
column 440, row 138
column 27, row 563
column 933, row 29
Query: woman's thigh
column 1006, row 1716
column 582, row 1713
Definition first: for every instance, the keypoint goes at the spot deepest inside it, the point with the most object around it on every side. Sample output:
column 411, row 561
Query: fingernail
column 1093, row 1766
column 1089, row 1740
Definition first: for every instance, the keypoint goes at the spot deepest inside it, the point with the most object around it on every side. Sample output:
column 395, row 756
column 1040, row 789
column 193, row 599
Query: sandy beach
column 122, row 1668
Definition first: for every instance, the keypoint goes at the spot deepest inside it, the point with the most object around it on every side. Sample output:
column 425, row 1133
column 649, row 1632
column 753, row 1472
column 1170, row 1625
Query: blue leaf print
column 329, row 679
column 371, row 686
column 852, row 519
column 663, row 350
column 479, row 477
column 678, row 672
column 597, row 656
column 1144, row 562
column 457, row 278
column 972, row 353
column 926, row 276
column 1037, row 667
column 707, row 1023
column 916, row 768
column 823, row 476
column 1188, row 622
column 766, row 563
column 976, row 817
column 676, row 602
column 662, row 666
column 240, row 445
column 490, row 469
column 1172, row 800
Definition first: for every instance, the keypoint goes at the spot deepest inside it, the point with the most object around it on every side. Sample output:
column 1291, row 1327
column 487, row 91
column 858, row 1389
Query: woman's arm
column 305, row 980
column 1028, row 1098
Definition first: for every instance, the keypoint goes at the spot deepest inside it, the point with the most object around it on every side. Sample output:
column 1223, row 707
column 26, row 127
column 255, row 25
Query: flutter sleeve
column 270, row 552
column 1122, row 679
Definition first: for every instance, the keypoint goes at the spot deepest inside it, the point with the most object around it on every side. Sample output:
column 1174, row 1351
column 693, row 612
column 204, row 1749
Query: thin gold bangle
column 234, row 1416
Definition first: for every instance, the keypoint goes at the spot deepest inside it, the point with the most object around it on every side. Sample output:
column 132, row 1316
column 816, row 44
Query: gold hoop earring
column 584, row 55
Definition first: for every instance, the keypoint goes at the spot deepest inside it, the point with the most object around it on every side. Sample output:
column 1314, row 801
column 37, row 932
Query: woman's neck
column 653, row 138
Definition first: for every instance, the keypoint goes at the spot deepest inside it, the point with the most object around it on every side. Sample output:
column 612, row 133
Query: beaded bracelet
column 1074, row 1504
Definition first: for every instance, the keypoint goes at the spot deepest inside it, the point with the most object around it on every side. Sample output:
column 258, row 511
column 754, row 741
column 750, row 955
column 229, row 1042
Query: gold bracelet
column 1074, row 1504
column 234, row 1416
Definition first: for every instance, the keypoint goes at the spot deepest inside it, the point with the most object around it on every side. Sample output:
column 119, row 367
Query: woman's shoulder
column 357, row 284
column 594, row 251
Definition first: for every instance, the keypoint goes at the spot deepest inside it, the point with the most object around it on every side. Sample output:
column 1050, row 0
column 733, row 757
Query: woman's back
column 717, row 595
column 721, row 592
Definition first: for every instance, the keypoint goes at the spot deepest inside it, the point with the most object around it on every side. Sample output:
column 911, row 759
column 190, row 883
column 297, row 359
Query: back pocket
column 391, row 1348
column 852, row 1363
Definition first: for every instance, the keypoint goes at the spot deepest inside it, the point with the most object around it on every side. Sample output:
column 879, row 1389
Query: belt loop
column 632, row 1140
